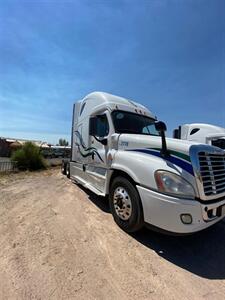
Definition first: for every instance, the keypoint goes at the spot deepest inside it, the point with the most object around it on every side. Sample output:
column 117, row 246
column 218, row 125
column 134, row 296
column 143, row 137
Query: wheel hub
column 122, row 203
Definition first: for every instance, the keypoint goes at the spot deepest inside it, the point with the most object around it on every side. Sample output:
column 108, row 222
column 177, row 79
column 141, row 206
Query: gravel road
column 58, row 241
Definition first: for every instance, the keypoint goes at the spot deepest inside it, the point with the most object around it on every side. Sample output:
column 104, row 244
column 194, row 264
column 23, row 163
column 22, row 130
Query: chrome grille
column 212, row 172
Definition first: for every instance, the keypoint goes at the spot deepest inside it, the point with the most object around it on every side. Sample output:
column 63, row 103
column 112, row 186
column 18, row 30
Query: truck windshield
column 219, row 143
column 127, row 122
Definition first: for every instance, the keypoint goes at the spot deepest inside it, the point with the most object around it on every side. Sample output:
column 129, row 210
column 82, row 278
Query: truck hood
column 141, row 142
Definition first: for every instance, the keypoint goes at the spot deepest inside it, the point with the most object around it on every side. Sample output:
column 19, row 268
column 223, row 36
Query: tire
column 128, row 215
column 68, row 170
column 63, row 168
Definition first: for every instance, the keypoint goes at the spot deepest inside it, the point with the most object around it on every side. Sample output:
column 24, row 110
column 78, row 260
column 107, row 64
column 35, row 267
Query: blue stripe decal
column 89, row 150
column 174, row 160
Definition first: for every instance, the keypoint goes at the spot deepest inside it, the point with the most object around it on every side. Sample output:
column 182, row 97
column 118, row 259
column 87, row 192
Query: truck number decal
column 124, row 144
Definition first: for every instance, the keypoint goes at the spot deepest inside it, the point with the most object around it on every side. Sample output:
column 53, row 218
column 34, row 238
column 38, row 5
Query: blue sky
column 168, row 55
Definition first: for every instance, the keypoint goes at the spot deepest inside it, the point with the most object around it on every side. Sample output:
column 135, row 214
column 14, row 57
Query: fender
column 141, row 167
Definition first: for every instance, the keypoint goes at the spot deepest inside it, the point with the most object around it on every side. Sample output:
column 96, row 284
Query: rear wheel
column 126, row 205
column 68, row 170
column 63, row 168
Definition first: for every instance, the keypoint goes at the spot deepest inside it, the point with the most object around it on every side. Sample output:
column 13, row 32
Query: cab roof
column 98, row 100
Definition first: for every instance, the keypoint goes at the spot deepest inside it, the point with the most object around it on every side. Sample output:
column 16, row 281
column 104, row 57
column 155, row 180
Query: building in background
column 8, row 145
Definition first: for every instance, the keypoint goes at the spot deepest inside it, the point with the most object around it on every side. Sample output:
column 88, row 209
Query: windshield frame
column 136, row 114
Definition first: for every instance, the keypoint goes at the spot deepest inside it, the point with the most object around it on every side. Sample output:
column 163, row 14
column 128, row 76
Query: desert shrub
column 28, row 157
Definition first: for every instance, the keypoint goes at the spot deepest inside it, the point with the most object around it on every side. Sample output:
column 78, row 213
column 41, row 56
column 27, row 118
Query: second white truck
column 119, row 150
column 203, row 133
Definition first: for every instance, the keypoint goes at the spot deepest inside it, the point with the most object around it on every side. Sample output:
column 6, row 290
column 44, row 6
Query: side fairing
column 80, row 134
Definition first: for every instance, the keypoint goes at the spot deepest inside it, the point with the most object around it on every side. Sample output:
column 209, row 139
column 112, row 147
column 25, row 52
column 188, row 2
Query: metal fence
column 6, row 166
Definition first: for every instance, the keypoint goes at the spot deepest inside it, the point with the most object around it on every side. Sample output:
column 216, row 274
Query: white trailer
column 119, row 150
column 203, row 133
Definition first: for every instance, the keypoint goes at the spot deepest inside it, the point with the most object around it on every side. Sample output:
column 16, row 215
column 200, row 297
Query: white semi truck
column 203, row 133
column 119, row 150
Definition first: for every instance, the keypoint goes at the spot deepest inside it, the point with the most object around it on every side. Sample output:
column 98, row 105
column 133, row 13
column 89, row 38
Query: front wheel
column 125, row 205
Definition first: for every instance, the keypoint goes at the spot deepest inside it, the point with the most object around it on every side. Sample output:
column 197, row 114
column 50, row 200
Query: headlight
column 173, row 184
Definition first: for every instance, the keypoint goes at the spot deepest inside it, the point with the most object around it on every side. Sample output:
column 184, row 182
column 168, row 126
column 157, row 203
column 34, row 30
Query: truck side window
column 194, row 130
column 101, row 126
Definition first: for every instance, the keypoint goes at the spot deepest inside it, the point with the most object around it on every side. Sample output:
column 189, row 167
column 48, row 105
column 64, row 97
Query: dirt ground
column 58, row 241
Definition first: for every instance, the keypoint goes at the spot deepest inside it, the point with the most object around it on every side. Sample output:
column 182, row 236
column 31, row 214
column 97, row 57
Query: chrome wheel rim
column 122, row 203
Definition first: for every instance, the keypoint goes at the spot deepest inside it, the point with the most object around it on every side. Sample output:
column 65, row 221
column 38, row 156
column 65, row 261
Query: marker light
column 186, row 218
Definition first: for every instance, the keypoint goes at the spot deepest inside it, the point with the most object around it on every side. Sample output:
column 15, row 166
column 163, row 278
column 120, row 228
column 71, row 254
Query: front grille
column 212, row 172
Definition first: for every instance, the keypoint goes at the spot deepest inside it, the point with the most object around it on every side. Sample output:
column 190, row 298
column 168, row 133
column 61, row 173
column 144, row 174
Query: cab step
column 87, row 185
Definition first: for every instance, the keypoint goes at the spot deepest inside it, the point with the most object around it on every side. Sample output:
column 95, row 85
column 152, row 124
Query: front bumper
column 164, row 212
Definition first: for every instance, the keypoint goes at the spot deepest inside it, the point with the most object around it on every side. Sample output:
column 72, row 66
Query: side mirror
column 176, row 134
column 160, row 126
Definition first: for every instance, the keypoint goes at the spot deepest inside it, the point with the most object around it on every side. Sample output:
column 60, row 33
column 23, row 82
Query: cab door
column 98, row 133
